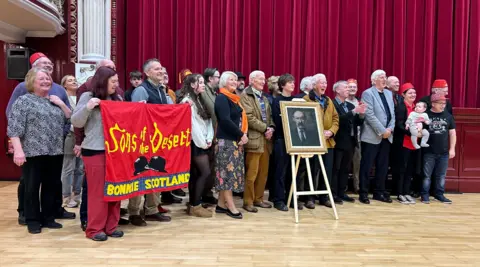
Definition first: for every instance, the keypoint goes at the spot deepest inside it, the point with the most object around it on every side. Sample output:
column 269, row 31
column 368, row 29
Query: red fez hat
column 405, row 87
column 438, row 97
column 352, row 81
column 35, row 57
column 183, row 74
column 439, row 84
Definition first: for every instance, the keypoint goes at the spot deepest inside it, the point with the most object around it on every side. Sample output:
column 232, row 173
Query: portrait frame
column 314, row 125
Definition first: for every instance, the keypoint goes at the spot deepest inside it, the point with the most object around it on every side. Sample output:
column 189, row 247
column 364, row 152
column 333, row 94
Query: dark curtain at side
column 417, row 40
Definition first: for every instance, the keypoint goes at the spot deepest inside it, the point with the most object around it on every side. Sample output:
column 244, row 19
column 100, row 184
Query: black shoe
column 123, row 211
column 179, row 192
column 364, row 199
column 310, row 205
column 443, row 199
column 280, row 206
column 209, row 200
column 116, row 234
column 52, row 225
column 123, row 221
column 383, row 198
column 234, row 215
column 21, row 220
column 338, row 200
column 219, row 209
column 158, row 217
column 299, row 205
column 64, row 214
column 34, row 228
column 137, row 220
column 171, row 199
column 83, row 225
column 326, row 203
column 346, row 198
column 100, row 237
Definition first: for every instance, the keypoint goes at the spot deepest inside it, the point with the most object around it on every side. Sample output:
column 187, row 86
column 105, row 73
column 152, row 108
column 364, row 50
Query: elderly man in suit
column 376, row 137
column 259, row 146
column 351, row 117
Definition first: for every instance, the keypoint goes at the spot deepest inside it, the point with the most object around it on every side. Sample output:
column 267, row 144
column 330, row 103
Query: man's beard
column 241, row 87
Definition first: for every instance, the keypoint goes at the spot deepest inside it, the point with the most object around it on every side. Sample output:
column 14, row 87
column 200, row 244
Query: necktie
column 302, row 136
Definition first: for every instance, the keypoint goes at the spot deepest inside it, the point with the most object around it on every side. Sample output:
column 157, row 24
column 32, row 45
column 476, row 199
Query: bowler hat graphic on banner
column 140, row 165
column 156, row 164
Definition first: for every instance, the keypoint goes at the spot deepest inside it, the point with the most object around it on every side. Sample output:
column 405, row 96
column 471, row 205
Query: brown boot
column 200, row 211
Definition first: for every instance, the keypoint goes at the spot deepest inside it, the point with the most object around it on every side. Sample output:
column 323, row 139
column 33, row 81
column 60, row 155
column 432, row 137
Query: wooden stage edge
column 378, row 234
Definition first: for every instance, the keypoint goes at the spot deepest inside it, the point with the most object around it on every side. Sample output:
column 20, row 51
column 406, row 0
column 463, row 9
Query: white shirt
column 202, row 130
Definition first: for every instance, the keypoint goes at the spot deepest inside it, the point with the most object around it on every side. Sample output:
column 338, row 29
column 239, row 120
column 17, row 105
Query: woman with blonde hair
column 36, row 129
column 232, row 127
column 72, row 173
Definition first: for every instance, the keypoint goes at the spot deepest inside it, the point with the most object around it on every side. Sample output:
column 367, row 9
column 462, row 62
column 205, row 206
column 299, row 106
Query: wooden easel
column 293, row 188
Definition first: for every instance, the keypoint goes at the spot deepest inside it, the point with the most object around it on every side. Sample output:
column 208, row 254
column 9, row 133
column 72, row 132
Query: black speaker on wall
column 17, row 63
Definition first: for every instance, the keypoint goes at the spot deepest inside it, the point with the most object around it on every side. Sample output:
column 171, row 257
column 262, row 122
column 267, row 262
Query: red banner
column 147, row 148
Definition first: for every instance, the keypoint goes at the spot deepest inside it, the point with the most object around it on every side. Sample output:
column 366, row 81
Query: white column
column 94, row 32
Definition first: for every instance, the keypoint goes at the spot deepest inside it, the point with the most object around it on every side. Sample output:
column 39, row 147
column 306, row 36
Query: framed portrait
column 302, row 127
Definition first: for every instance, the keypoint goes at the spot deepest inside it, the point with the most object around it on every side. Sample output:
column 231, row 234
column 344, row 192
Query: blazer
column 348, row 122
column 375, row 123
column 256, row 126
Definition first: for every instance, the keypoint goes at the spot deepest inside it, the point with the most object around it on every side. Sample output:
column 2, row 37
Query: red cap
column 35, row 57
column 439, row 84
column 351, row 80
column 438, row 97
column 405, row 87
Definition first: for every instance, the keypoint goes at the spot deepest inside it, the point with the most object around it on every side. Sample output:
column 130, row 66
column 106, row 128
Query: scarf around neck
column 236, row 99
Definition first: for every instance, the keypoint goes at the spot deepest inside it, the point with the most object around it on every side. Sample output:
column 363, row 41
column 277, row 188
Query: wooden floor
column 375, row 235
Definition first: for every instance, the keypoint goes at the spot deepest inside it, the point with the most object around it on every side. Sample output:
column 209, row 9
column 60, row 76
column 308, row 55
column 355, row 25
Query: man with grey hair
column 376, row 137
column 306, row 85
column 393, row 84
column 41, row 61
column 350, row 117
column 151, row 91
column 259, row 145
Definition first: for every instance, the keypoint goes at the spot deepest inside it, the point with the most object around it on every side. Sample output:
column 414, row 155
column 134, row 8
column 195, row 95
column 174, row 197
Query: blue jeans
column 72, row 175
column 439, row 163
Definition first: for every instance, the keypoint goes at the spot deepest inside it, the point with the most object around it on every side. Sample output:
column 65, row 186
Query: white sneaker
column 402, row 199
column 72, row 204
column 77, row 198
column 410, row 199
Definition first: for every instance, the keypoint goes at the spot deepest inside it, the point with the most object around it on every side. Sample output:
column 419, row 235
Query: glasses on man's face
column 440, row 103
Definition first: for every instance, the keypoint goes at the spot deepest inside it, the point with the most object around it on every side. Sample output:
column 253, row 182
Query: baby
column 414, row 122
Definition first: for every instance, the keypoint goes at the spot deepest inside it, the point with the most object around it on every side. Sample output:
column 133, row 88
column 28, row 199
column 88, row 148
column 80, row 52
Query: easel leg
column 327, row 185
column 294, row 173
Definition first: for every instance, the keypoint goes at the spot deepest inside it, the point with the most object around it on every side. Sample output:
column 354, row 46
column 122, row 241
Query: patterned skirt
column 229, row 166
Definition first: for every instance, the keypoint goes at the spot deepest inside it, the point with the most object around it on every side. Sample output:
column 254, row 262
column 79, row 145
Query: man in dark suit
column 346, row 139
column 301, row 135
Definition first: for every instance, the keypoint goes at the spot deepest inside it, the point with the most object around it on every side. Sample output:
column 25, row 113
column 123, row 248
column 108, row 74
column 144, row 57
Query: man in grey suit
column 376, row 137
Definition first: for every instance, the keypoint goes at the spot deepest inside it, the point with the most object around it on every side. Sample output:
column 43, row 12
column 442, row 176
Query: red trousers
column 103, row 216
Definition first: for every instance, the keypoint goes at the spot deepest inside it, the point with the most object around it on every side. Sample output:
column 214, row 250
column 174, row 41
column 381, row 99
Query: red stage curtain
column 416, row 40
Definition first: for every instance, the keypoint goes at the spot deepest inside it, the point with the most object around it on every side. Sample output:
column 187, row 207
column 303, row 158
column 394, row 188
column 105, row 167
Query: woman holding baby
column 409, row 152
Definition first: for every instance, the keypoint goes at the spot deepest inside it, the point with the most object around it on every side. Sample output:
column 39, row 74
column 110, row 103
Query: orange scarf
column 236, row 99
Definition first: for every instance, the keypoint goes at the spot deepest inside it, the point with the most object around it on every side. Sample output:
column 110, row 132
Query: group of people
column 238, row 142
